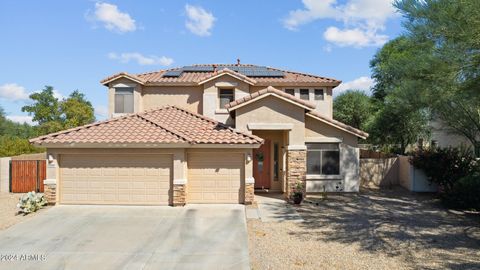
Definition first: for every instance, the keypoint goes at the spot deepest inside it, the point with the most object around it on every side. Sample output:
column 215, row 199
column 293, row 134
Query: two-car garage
column 146, row 179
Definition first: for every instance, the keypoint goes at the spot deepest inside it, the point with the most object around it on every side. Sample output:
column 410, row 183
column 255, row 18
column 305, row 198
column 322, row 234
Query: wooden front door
column 261, row 165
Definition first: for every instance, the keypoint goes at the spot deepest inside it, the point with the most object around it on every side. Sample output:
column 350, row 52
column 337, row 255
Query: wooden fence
column 27, row 175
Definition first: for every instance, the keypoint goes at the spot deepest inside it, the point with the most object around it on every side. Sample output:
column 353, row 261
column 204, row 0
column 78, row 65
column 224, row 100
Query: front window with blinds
column 226, row 96
column 323, row 159
column 124, row 100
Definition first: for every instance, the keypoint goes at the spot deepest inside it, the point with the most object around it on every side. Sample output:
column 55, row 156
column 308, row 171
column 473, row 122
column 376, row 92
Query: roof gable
column 122, row 75
column 269, row 91
column 338, row 124
column 230, row 73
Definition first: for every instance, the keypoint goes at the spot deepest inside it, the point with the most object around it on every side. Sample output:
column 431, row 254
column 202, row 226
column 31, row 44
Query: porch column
column 50, row 183
column 249, row 180
column 296, row 167
column 179, row 178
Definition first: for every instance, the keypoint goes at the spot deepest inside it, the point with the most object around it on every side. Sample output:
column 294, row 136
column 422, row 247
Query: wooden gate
column 27, row 175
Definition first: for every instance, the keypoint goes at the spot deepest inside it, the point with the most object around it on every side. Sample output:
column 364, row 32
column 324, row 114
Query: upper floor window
column 304, row 94
column 226, row 96
column 290, row 91
column 124, row 100
column 323, row 158
column 318, row 94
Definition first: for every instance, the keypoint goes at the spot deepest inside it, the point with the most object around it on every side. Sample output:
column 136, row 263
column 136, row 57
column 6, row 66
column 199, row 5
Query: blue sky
column 74, row 44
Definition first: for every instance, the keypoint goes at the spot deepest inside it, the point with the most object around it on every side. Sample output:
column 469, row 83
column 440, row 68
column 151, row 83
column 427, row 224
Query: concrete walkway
column 133, row 237
column 273, row 208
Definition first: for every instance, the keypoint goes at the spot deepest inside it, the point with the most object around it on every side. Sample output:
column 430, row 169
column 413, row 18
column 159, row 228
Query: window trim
column 320, row 175
column 115, row 99
column 220, row 89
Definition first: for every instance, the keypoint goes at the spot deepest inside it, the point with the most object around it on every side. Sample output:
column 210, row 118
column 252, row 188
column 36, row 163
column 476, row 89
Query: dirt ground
column 374, row 229
column 8, row 210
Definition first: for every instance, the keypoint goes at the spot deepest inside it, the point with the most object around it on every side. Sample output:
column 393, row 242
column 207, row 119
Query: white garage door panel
column 215, row 177
column 120, row 179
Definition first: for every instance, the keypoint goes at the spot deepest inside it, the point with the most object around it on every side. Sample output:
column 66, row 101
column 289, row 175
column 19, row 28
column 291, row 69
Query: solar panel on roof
column 198, row 69
column 173, row 73
column 249, row 71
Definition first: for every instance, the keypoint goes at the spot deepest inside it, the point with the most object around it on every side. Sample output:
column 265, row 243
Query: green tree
column 76, row 110
column 12, row 146
column 53, row 115
column 45, row 110
column 354, row 108
column 398, row 125
column 447, row 37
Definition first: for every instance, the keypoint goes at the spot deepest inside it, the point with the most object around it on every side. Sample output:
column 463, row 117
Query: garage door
column 115, row 179
column 215, row 178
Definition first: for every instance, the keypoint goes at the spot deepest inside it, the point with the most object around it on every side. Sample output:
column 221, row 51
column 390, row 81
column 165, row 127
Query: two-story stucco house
column 205, row 134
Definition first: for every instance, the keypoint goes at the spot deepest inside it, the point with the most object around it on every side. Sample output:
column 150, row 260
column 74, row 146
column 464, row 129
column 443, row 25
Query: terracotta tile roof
column 265, row 92
column 167, row 125
column 338, row 124
column 290, row 77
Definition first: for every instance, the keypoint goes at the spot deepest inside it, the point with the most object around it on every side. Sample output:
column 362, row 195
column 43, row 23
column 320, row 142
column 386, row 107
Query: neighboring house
column 205, row 134
column 443, row 137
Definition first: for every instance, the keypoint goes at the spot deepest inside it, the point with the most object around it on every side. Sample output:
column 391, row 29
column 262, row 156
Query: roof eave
column 362, row 135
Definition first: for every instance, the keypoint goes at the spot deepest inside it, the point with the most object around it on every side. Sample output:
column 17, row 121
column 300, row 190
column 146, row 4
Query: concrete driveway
column 133, row 237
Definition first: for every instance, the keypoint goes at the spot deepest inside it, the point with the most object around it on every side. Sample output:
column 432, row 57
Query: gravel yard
column 370, row 230
column 8, row 210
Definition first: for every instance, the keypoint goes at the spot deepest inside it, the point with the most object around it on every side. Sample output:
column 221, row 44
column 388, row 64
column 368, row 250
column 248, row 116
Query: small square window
column 226, row 96
column 304, row 94
column 318, row 94
column 290, row 91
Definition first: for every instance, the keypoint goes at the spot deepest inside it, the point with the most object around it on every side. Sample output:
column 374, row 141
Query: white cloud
column 101, row 111
column 141, row 59
column 362, row 20
column 199, row 21
column 113, row 19
column 354, row 37
column 21, row 119
column 363, row 83
column 13, row 92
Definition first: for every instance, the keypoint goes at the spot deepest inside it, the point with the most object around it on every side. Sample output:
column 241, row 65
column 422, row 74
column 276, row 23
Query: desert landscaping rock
column 370, row 230
column 8, row 210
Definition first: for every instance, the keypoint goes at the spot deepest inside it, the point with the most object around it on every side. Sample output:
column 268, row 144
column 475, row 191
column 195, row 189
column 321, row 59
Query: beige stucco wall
column 445, row 138
column 188, row 97
column 211, row 107
column 273, row 110
column 347, row 181
column 325, row 106
column 318, row 129
column 137, row 95
column 379, row 172
column 4, row 175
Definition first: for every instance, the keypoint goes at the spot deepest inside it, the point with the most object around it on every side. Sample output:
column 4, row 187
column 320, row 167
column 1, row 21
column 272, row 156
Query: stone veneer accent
column 296, row 169
column 179, row 194
column 49, row 190
column 249, row 193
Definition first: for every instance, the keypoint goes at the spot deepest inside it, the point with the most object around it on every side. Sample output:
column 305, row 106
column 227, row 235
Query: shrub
column 31, row 202
column 465, row 193
column 445, row 166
